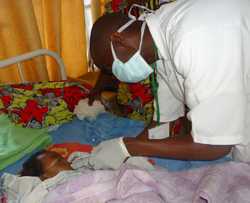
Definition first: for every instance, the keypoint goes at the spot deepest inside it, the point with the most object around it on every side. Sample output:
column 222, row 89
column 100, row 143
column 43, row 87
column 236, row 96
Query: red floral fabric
column 43, row 104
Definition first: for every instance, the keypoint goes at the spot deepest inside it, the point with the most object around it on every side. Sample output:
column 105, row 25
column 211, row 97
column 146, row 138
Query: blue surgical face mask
column 136, row 68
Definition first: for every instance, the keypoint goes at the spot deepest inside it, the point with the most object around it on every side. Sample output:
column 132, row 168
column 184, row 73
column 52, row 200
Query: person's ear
column 120, row 41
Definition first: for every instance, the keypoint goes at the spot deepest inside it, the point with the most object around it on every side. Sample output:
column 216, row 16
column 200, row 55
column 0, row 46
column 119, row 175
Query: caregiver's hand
column 77, row 160
column 108, row 154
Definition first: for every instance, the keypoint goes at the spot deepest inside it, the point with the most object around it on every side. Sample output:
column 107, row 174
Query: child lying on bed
column 40, row 174
column 45, row 164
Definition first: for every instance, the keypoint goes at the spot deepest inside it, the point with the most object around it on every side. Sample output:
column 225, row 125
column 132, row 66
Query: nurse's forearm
column 179, row 147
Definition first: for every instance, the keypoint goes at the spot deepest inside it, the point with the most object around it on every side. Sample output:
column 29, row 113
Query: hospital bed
column 28, row 56
column 159, row 186
column 72, row 129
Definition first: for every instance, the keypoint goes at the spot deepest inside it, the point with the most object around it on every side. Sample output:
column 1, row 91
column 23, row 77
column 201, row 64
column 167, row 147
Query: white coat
column 204, row 46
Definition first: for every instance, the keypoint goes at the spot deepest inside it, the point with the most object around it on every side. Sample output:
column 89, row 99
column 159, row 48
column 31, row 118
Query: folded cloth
column 83, row 110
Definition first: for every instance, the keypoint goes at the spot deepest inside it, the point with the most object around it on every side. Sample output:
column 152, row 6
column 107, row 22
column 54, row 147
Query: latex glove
column 108, row 154
column 77, row 160
column 77, row 155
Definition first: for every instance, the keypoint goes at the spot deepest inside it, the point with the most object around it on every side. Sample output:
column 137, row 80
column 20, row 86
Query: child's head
column 44, row 164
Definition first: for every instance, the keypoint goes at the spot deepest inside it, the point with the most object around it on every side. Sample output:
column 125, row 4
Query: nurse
column 199, row 51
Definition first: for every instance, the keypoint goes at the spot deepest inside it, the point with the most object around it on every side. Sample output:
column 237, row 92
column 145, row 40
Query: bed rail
column 27, row 56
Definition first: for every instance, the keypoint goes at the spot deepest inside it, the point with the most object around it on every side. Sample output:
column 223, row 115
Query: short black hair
column 101, row 31
column 33, row 166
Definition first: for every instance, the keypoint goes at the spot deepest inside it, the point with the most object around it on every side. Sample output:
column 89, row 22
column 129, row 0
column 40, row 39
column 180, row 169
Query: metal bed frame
column 28, row 56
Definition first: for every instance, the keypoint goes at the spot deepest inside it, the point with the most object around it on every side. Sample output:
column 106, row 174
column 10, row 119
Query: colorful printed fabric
column 124, row 5
column 136, row 100
column 43, row 104
column 115, row 6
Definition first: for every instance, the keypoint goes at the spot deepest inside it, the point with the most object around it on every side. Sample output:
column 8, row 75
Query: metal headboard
column 27, row 56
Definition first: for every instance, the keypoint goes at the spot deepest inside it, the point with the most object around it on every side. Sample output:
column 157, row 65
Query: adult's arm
column 180, row 146
column 177, row 147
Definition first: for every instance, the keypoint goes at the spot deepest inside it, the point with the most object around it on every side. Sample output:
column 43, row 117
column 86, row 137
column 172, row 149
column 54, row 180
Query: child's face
column 52, row 164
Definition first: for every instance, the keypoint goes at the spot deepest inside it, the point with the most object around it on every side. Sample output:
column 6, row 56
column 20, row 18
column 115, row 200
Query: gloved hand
column 77, row 160
column 109, row 154
column 75, row 156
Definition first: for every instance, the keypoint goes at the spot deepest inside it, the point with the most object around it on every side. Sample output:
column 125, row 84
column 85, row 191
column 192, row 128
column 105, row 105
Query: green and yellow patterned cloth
column 16, row 141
